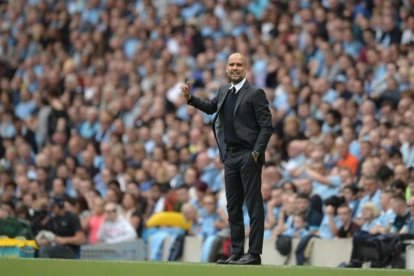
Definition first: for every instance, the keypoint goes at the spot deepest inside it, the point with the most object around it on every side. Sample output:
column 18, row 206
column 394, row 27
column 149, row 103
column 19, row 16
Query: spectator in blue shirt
column 372, row 193
column 299, row 229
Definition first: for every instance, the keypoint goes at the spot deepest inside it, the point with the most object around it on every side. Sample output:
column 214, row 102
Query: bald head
column 237, row 56
column 236, row 68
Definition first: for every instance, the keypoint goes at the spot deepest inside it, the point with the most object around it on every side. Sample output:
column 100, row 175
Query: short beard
column 235, row 81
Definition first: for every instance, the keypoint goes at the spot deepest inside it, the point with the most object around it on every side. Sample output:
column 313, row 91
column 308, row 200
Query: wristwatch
column 255, row 155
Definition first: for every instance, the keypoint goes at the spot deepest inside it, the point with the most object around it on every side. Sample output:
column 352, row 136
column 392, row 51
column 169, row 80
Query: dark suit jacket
column 252, row 117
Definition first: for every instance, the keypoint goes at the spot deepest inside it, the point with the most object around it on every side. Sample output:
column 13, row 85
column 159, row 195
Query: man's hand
column 60, row 240
column 42, row 242
column 185, row 90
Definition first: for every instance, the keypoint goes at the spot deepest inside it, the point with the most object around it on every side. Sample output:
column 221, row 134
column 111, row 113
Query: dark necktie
column 233, row 90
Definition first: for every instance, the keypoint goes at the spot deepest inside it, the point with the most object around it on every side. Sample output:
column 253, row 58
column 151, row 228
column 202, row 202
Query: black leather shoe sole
column 246, row 263
column 232, row 258
column 247, row 260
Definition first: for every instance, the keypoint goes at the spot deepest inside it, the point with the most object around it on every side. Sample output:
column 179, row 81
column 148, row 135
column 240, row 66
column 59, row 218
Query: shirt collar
column 239, row 85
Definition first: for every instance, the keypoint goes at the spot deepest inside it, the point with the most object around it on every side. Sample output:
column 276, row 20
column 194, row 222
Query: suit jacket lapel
column 243, row 91
column 223, row 96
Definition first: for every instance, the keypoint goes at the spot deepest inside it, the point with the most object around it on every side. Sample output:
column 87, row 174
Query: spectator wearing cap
column 66, row 232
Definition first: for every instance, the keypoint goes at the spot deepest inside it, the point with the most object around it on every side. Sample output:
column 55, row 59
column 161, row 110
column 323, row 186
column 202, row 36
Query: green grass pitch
column 68, row 267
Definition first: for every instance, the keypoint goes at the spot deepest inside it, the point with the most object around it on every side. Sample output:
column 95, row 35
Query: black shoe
column 233, row 257
column 248, row 259
column 354, row 264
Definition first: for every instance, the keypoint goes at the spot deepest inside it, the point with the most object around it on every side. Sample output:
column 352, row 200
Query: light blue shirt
column 88, row 130
column 130, row 46
column 207, row 224
column 330, row 96
column 407, row 152
column 355, row 149
column 325, row 230
column 325, row 191
column 376, row 199
column 209, row 175
column 258, row 7
column 367, row 226
column 292, row 231
column 25, row 109
column 386, row 218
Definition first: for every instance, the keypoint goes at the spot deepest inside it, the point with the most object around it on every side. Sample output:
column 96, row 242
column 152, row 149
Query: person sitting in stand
column 63, row 234
column 115, row 228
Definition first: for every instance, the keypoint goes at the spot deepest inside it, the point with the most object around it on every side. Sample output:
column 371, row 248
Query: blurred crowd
column 91, row 112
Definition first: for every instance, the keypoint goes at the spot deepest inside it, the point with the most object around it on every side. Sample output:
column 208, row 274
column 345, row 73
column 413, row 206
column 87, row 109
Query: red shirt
column 350, row 162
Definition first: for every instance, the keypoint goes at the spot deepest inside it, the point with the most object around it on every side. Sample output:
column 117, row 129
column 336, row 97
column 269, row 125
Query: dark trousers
column 57, row 252
column 242, row 177
column 357, row 242
column 301, row 247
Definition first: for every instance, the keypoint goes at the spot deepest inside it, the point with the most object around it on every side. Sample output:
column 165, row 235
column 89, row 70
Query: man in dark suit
column 242, row 128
